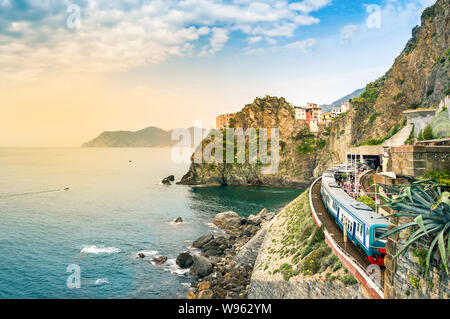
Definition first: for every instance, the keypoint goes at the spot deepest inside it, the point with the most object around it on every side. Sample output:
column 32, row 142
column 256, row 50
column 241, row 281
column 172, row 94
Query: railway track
column 348, row 250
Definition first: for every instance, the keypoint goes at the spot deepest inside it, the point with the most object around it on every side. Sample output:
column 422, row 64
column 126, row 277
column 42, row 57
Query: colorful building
column 223, row 121
column 326, row 117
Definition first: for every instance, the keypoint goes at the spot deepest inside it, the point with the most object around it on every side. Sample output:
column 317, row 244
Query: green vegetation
column 415, row 282
column 427, row 133
column 380, row 141
column 428, row 206
column 302, row 245
column 309, row 145
column 368, row 201
column 373, row 117
column 411, row 45
column 370, row 95
column 411, row 139
column 439, row 177
column 415, row 105
column 441, row 124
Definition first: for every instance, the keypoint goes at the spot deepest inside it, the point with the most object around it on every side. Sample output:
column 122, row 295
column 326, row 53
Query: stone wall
column 405, row 277
column 415, row 161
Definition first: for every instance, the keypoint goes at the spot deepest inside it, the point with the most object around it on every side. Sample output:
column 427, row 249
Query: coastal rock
column 178, row 220
column 160, row 260
column 204, row 285
column 200, row 242
column 201, row 267
column 205, row 294
column 191, row 295
column 250, row 230
column 165, row 182
column 227, row 220
column 216, row 246
column 255, row 220
column 141, row 255
column 184, row 260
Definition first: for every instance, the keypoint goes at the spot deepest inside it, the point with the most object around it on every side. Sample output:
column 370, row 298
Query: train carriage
column 363, row 225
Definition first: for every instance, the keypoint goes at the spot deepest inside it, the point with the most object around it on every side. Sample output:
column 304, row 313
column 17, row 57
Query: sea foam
column 93, row 249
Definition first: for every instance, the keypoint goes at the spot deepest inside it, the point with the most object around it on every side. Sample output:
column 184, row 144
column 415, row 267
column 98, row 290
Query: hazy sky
column 126, row 65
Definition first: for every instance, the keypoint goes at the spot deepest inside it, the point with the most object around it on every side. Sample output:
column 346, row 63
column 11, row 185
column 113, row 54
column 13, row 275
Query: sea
column 73, row 220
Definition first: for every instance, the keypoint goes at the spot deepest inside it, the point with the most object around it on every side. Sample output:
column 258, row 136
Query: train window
column 378, row 233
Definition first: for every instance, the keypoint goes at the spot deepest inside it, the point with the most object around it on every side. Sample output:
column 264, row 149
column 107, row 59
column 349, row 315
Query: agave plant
column 430, row 207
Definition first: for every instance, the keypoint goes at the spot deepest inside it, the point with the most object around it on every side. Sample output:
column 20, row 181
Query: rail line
column 350, row 256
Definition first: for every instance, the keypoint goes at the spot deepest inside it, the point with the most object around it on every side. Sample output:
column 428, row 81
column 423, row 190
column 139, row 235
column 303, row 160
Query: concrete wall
column 405, row 277
column 415, row 161
column 420, row 119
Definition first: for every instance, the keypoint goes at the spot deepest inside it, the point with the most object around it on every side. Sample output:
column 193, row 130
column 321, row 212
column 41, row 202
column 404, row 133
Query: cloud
column 348, row 33
column 120, row 35
column 304, row 46
column 253, row 40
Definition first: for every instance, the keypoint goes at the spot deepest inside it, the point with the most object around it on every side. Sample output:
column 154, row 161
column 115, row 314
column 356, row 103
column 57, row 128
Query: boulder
column 184, row 260
column 160, row 260
column 254, row 220
column 202, row 241
column 249, row 230
column 201, row 267
column 205, row 294
column 141, row 255
column 262, row 213
column 217, row 244
column 168, row 179
column 191, row 295
column 227, row 220
column 178, row 220
column 204, row 285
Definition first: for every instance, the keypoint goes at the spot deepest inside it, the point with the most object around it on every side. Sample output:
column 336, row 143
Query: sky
column 70, row 70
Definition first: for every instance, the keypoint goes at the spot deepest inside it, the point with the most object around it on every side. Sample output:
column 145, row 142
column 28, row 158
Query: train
column 363, row 225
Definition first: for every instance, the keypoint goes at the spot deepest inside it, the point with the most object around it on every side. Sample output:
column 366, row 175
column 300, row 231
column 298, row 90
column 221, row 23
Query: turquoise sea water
column 114, row 209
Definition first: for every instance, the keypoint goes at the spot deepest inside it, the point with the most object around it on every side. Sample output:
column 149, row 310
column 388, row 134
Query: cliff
column 296, row 165
column 419, row 78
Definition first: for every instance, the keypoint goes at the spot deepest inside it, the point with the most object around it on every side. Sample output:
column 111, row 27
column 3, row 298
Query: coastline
column 256, row 266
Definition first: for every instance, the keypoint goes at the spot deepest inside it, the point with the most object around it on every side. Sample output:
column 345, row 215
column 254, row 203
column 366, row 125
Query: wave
column 93, row 249
column 101, row 281
column 30, row 193
column 171, row 265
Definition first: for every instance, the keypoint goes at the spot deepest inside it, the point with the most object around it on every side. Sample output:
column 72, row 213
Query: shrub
column 427, row 133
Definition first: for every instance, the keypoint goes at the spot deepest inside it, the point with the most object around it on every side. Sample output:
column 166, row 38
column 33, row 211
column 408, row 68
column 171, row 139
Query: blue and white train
column 364, row 226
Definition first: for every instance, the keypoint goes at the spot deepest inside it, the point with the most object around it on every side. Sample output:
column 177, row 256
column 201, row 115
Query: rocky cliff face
column 295, row 167
column 418, row 78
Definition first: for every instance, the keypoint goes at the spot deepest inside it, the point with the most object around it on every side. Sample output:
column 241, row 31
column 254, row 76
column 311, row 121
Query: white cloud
column 253, row 40
column 304, row 46
column 348, row 33
column 120, row 35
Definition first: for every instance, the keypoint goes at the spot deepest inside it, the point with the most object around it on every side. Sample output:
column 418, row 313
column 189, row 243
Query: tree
column 428, row 133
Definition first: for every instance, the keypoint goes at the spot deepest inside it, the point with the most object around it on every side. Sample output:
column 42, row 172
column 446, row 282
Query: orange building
column 223, row 121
